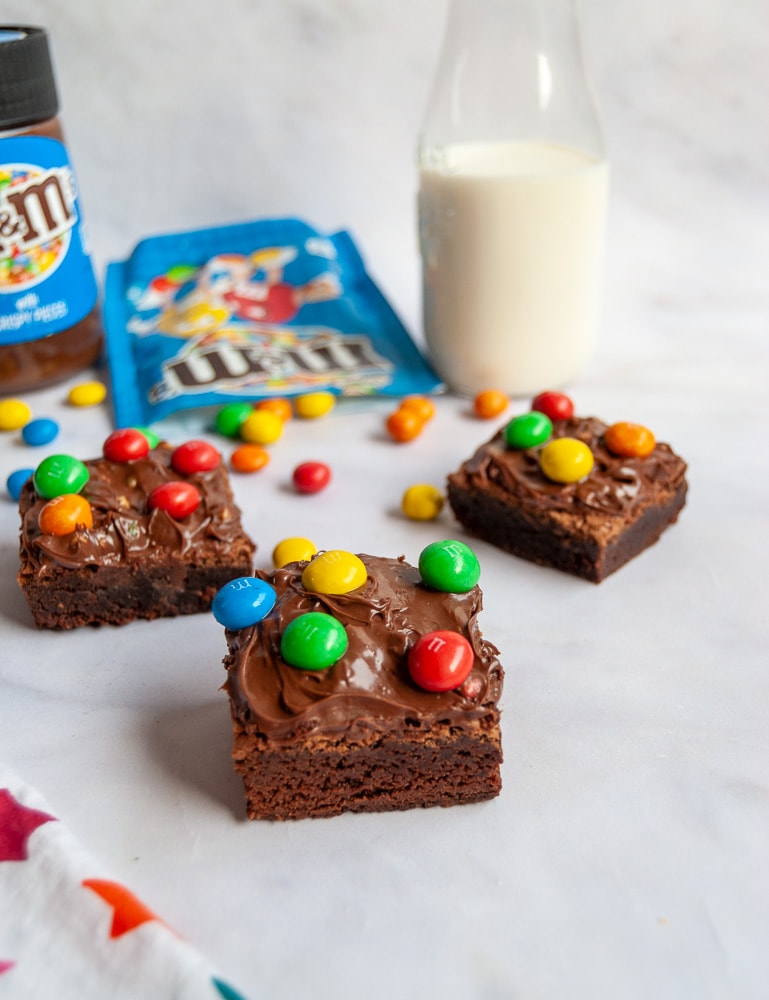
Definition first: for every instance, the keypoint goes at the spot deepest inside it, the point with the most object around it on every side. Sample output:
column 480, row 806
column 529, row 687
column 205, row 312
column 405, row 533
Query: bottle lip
column 27, row 83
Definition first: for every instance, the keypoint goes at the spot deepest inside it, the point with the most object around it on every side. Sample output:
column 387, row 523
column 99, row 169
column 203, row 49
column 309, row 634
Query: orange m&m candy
column 249, row 458
column 628, row 440
column 404, row 425
column 420, row 405
column 64, row 513
column 490, row 403
column 277, row 405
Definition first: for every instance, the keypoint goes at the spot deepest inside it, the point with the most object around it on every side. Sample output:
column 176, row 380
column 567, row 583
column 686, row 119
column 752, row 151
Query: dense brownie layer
column 361, row 736
column 589, row 528
column 133, row 562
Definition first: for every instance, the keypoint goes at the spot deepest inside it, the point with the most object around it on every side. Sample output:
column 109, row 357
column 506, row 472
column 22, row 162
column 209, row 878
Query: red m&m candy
column 441, row 661
column 194, row 456
column 555, row 405
column 125, row 445
column 311, row 477
column 179, row 499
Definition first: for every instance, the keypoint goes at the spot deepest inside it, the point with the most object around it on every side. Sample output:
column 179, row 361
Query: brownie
column 361, row 736
column 133, row 562
column 588, row 528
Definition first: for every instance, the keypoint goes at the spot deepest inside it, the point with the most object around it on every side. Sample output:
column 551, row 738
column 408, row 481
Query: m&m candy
column 38, row 432
column 312, row 405
column 404, row 425
column 423, row 407
column 293, row 550
column 194, row 456
column 261, row 427
column 311, row 477
column 313, row 641
column 87, row 394
column 229, row 419
column 628, row 440
column 177, row 498
column 152, row 439
column 490, row 403
column 555, row 405
column 126, row 445
column 15, row 482
column 60, row 474
column 440, row 661
column 249, row 458
column 566, row 460
column 528, row 430
column 243, row 602
column 334, row 572
column 449, row 566
column 14, row 414
column 64, row 513
column 277, row 405
column 422, row 502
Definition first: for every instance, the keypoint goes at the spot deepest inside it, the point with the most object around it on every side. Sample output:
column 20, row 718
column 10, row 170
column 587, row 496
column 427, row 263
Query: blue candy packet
column 249, row 311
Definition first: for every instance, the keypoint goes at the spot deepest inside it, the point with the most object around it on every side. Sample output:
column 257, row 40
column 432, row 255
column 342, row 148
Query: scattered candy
column 311, row 477
column 440, row 661
column 228, row 420
column 64, row 513
column 126, row 445
column 423, row 407
column 249, row 458
column 490, row 403
column 243, row 602
column 261, row 427
column 528, row 430
column 554, row 405
column 404, row 425
column 179, row 499
column 15, row 482
column 152, row 439
column 194, row 456
column 334, row 572
column 449, row 566
column 277, row 405
column 293, row 550
column 59, row 474
column 422, row 502
column 87, row 394
column 314, row 404
column 629, row 440
column 566, row 460
column 38, row 432
column 14, row 414
column 313, row 641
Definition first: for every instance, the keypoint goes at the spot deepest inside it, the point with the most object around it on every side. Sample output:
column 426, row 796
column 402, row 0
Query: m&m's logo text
column 37, row 214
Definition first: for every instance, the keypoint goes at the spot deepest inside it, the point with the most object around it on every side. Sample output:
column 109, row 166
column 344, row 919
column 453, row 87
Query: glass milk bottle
column 512, row 200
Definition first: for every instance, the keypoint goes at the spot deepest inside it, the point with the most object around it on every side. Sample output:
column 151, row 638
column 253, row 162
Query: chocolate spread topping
column 369, row 689
column 614, row 486
column 124, row 529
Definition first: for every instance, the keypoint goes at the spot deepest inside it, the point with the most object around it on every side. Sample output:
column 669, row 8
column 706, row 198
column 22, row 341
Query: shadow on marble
column 193, row 745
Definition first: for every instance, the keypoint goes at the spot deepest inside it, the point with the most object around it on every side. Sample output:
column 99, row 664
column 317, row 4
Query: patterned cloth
column 66, row 930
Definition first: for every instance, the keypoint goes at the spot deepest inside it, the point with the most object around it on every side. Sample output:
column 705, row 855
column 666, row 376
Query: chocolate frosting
column 615, row 486
column 369, row 689
column 124, row 529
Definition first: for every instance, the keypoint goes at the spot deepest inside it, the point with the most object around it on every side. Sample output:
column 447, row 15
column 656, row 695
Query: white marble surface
column 627, row 855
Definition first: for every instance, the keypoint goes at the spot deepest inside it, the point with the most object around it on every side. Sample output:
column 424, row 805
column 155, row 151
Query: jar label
column 47, row 281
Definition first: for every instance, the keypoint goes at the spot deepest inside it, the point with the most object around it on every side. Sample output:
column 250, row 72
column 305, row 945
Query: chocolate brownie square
column 588, row 528
column 361, row 735
column 134, row 561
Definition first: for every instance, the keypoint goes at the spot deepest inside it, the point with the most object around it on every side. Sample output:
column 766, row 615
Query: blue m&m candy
column 243, row 602
column 15, row 482
column 38, row 432
column 449, row 566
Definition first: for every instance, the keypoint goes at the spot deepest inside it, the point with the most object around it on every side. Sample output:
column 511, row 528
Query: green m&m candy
column 313, row 641
column 449, row 566
column 59, row 474
column 152, row 439
column 228, row 420
column 528, row 430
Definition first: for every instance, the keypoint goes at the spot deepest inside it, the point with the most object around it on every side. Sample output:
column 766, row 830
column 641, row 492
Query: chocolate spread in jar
column 50, row 325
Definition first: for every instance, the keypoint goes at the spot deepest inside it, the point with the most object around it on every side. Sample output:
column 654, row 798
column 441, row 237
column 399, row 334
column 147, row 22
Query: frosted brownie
column 134, row 561
column 361, row 735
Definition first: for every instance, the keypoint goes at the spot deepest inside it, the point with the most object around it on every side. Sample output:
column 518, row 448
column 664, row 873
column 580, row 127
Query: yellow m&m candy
column 261, row 427
column 293, row 550
column 422, row 502
column 314, row 404
column 334, row 572
column 566, row 460
column 14, row 413
column 87, row 394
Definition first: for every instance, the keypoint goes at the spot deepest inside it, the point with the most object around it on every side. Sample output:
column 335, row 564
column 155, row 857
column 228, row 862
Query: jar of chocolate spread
column 50, row 325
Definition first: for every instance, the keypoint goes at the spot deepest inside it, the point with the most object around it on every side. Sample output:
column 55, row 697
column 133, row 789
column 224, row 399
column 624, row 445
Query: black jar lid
column 27, row 84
